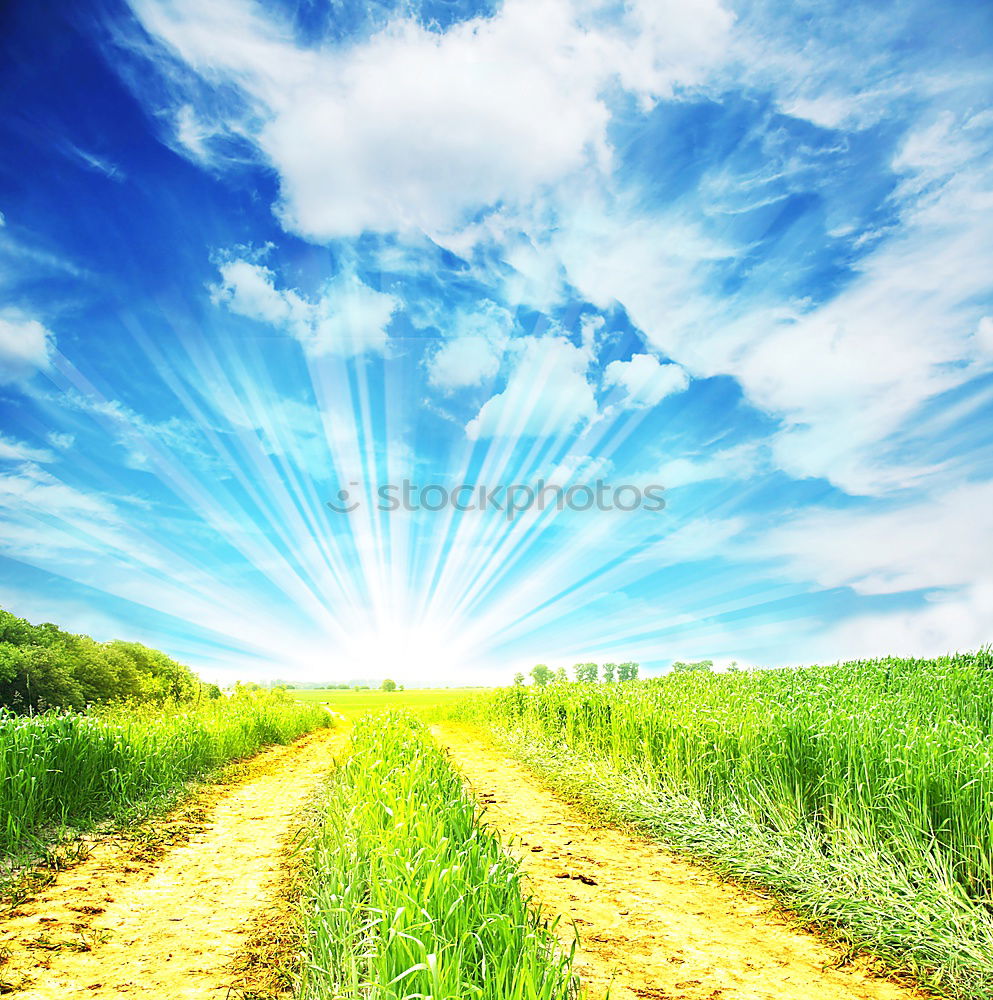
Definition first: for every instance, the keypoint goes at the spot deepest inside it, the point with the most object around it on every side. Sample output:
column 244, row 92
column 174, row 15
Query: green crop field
column 861, row 794
column 62, row 773
column 352, row 703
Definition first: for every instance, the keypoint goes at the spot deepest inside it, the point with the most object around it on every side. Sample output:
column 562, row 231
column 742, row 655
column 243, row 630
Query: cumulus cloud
column 474, row 348
column 463, row 362
column 547, row 393
column 644, row 381
column 415, row 129
column 348, row 318
column 25, row 346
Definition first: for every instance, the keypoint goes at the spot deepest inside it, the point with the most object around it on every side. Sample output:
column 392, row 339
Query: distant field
column 355, row 703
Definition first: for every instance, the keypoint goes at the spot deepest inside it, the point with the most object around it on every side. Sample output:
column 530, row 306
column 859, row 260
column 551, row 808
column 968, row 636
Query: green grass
column 353, row 704
column 410, row 894
column 65, row 772
column 861, row 794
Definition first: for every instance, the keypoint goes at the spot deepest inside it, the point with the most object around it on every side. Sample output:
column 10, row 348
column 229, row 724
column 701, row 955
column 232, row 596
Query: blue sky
column 252, row 255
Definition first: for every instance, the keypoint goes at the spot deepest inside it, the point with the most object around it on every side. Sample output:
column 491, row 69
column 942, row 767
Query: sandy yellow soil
column 651, row 925
column 168, row 926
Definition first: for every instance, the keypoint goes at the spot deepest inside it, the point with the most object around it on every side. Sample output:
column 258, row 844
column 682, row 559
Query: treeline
column 42, row 667
column 584, row 673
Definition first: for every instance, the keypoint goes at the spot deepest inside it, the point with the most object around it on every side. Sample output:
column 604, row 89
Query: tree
column 698, row 667
column 541, row 674
column 586, row 673
column 609, row 669
column 388, row 685
column 627, row 671
column 561, row 677
column 518, row 679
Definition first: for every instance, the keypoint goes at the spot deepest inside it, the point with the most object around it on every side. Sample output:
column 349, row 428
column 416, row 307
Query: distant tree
column 388, row 685
column 518, row 679
column 399, row 687
column 212, row 691
column 699, row 666
column 609, row 670
column 586, row 673
column 541, row 674
column 627, row 671
column 561, row 677
column 246, row 689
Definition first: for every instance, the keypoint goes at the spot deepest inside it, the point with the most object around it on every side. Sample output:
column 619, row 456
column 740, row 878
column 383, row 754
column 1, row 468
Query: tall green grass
column 61, row 771
column 861, row 793
column 410, row 895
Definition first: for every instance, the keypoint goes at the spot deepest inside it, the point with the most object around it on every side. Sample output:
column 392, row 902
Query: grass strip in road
column 410, row 894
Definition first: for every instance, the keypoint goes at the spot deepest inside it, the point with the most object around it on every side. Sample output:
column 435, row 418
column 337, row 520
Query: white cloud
column 652, row 265
column 738, row 462
column 25, row 346
column 494, row 131
column 413, row 129
column 843, row 375
column 702, row 538
column 475, row 345
column 937, row 542
column 547, row 393
column 95, row 163
column 984, row 336
column 18, row 451
column 33, row 491
column 668, row 43
column 935, row 545
column 948, row 624
column 347, row 319
column 463, row 362
column 644, row 381
column 61, row 440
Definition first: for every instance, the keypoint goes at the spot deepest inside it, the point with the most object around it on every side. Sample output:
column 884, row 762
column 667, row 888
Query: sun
column 414, row 654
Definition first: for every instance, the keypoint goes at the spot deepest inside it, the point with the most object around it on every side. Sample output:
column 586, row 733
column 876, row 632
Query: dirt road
column 169, row 928
column 651, row 925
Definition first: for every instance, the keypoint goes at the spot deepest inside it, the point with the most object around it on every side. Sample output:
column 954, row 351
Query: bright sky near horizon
column 259, row 257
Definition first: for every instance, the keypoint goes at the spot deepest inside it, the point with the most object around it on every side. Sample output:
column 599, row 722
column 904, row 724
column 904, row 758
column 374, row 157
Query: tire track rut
column 652, row 925
column 108, row 927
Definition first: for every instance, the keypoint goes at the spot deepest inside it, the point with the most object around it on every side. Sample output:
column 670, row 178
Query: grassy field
column 862, row 794
column 353, row 704
column 410, row 894
column 61, row 773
